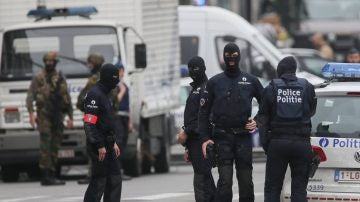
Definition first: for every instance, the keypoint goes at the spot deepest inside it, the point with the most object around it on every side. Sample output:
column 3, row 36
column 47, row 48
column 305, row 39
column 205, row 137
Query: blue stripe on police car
column 340, row 142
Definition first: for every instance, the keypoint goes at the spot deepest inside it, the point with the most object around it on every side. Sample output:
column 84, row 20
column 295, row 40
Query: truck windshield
column 332, row 9
column 337, row 117
column 23, row 50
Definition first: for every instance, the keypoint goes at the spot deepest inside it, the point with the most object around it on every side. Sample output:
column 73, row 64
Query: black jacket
column 192, row 108
column 267, row 111
column 98, row 118
column 241, row 86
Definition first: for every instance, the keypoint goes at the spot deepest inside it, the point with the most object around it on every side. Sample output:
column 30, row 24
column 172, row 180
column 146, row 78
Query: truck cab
column 22, row 49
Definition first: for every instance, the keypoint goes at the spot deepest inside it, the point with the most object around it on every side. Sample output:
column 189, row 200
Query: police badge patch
column 202, row 102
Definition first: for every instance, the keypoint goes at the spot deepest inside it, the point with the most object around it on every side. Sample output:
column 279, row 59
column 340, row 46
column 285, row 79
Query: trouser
column 236, row 148
column 122, row 129
column 105, row 178
column 204, row 185
column 281, row 153
column 50, row 141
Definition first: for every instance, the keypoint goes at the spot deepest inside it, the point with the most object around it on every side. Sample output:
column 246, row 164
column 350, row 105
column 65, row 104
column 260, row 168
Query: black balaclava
column 196, row 67
column 109, row 76
column 287, row 66
column 229, row 50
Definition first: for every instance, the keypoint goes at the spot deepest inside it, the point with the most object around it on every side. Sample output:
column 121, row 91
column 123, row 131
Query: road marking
column 24, row 198
column 146, row 198
column 158, row 196
column 70, row 199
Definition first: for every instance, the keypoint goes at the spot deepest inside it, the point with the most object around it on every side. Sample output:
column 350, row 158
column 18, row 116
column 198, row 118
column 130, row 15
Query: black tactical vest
column 231, row 109
column 290, row 104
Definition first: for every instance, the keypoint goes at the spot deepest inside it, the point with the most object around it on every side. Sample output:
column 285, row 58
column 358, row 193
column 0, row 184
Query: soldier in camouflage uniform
column 94, row 62
column 48, row 90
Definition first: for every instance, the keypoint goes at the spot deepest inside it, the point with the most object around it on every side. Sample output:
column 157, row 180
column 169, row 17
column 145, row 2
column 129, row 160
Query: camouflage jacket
column 90, row 83
column 50, row 94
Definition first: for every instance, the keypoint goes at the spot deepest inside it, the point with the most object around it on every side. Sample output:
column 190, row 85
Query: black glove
column 314, row 165
column 211, row 154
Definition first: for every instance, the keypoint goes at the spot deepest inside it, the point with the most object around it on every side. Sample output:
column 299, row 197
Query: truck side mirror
column 140, row 56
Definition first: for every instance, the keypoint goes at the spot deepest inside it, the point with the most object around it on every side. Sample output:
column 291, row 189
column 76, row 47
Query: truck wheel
column 132, row 167
column 146, row 166
column 9, row 174
column 58, row 171
column 161, row 164
column 146, row 157
column 33, row 172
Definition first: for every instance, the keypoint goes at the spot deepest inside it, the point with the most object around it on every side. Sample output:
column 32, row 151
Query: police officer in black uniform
column 226, row 104
column 204, row 186
column 285, row 127
column 101, row 139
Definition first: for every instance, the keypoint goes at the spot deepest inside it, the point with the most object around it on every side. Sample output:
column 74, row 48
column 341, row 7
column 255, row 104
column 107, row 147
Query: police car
column 335, row 137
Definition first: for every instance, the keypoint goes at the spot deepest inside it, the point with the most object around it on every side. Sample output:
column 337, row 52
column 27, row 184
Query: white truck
column 115, row 32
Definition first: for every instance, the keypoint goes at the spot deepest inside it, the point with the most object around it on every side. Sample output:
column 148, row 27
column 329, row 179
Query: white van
column 204, row 31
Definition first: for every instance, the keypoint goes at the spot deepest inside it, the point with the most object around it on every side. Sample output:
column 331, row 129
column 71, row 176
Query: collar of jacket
column 195, row 84
column 232, row 74
column 289, row 77
column 103, row 88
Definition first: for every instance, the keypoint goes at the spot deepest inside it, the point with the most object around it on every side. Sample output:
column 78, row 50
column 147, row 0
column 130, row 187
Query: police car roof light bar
column 343, row 71
column 47, row 13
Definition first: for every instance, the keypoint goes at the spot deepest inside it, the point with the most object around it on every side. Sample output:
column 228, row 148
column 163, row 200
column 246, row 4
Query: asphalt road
column 175, row 186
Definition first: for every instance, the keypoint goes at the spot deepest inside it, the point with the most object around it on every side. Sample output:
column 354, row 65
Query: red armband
column 89, row 118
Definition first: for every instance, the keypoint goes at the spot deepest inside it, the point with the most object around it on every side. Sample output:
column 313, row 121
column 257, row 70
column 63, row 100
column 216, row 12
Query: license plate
column 68, row 153
column 12, row 117
column 347, row 176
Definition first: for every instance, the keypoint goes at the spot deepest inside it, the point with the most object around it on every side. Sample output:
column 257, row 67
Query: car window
column 313, row 64
column 337, row 117
column 189, row 47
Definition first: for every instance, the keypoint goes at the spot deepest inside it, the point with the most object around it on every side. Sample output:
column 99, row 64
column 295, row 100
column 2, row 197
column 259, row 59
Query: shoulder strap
column 278, row 82
column 302, row 81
